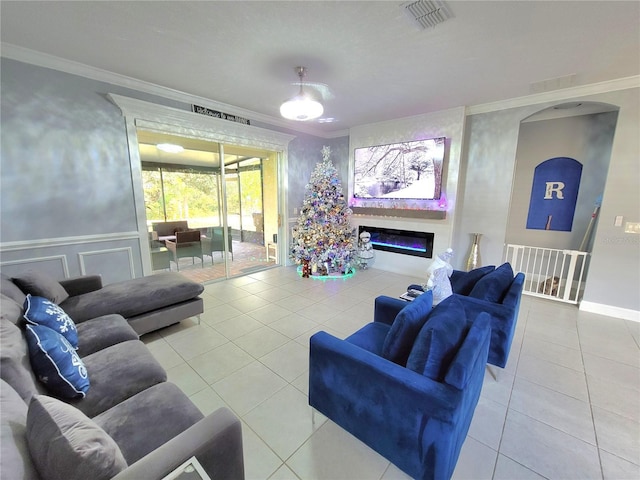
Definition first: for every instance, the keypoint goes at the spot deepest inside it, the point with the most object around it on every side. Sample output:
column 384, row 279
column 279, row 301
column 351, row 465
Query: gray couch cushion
column 41, row 285
column 133, row 297
column 102, row 332
column 153, row 417
column 66, row 445
column 15, row 366
column 117, row 373
column 10, row 310
column 15, row 461
column 11, row 290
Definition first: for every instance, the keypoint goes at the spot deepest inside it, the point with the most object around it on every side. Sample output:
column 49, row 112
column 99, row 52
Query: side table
column 189, row 470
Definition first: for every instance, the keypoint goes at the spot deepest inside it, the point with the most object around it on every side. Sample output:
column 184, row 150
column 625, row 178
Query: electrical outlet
column 618, row 221
column 295, row 210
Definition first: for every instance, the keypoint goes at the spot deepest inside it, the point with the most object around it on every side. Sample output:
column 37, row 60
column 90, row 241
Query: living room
column 66, row 162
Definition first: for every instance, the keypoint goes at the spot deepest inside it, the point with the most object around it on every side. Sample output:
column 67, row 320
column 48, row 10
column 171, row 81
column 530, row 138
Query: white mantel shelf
column 399, row 212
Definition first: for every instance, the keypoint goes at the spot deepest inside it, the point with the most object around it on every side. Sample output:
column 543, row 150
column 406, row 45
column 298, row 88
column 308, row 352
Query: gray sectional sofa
column 130, row 424
column 148, row 303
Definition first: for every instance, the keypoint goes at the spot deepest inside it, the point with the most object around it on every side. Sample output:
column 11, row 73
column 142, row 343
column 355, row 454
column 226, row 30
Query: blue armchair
column 406, row 384
column 495, row 291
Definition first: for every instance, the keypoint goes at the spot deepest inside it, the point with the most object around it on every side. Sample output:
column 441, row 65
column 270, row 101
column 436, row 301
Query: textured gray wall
column 64, row 173
column 488, row 170
column 66, row 193
column 65, row 162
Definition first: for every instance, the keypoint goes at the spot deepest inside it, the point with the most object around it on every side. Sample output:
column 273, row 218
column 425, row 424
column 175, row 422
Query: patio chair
column 213, row 241
column 187, row 244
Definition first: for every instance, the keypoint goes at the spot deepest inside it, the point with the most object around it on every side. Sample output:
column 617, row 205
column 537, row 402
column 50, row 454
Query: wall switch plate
column 618, row 221
column 632, row 227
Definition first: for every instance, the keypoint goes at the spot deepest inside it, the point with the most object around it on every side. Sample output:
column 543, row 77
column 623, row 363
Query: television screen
column 407, row 170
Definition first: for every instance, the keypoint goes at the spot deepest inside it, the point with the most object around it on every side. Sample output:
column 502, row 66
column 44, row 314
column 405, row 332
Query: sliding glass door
column 232, row 203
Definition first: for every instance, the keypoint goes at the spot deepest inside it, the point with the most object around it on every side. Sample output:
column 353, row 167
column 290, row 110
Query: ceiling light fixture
column 170, row 147
column 303, row 106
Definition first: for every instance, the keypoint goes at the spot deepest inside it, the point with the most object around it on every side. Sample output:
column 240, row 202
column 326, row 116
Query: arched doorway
column 556, row 261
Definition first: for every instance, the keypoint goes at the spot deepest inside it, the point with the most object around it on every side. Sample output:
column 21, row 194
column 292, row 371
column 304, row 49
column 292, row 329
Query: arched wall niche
column 580, row 130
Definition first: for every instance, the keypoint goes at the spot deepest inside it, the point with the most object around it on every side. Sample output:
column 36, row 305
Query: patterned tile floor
column 567, row 406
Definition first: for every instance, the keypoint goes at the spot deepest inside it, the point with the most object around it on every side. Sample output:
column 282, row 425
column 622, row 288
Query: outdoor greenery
column 191, row 194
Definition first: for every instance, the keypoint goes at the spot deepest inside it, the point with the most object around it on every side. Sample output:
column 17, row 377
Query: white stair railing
column 550, row 273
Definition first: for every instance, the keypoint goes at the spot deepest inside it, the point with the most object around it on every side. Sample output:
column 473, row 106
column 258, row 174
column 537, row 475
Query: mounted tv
column 407, row 170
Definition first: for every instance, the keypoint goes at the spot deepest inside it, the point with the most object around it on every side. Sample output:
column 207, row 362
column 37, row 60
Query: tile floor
column 567, row 406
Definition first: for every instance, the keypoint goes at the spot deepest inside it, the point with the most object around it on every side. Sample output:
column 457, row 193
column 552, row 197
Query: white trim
column 40, row 59
column 128, row 250
column 610, row 311
column 557, row 95
column 160, row 118
column 163, row 119
column 62, row 258
column 63, row 241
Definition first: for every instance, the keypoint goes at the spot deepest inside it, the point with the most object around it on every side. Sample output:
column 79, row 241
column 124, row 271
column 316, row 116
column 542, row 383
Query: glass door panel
column 193, row 190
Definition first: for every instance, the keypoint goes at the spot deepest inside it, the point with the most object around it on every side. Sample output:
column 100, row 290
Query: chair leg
column 494, row 371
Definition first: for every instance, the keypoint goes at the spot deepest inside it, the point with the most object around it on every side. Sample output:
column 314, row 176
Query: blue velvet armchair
column 495, row 291
column 406, row 384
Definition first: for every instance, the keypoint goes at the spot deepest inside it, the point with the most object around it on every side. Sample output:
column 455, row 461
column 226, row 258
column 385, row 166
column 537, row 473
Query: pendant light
column 303, row 106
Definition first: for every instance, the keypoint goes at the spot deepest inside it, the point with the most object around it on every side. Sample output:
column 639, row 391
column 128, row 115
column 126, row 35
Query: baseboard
column 610, row 311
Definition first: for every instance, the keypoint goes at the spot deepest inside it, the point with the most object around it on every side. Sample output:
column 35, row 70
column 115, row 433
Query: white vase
column 473, row 261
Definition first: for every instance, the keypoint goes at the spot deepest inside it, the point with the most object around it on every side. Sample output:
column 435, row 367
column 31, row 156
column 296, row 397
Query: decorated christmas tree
column 324, row 242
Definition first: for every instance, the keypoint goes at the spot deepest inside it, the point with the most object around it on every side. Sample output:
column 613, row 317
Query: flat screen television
column 406, row 170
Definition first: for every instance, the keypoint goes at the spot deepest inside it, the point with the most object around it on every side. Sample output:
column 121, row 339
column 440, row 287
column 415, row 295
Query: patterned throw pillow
column 56, row 363
column 40, row 311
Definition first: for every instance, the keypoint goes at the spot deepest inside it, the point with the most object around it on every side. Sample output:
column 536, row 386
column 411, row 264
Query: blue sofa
column 495, row 291
column 406, row 384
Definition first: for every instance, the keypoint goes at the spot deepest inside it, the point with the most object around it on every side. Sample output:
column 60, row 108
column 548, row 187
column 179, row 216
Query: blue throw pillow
column 463, row 282
column 56, row 363
column 493, row 286
column 439, row 340
column 405, row 328
column 40, row 311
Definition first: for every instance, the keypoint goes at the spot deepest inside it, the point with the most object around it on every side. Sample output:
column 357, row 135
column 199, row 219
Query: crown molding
column 40, row 59
column 161, row 118
column 557, row 95
column 45, row 60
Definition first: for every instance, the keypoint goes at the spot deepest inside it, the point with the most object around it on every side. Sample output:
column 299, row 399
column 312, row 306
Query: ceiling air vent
column 427, row 13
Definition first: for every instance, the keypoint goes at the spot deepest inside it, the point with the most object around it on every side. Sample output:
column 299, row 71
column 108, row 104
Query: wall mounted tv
column 407, row 170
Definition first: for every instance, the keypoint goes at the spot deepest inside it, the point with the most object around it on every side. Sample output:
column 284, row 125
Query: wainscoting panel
column 111, row 263
column 115, row 256
column 54, row 265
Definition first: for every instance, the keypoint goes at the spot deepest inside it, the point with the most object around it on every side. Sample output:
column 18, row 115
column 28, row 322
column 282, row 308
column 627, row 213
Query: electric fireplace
column 407, row 242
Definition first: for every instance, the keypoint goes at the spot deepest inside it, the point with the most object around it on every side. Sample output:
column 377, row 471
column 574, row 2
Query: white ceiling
column 377, row 63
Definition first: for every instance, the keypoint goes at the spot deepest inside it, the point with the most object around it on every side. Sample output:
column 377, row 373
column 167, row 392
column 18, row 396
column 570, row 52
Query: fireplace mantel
column 399, row 212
